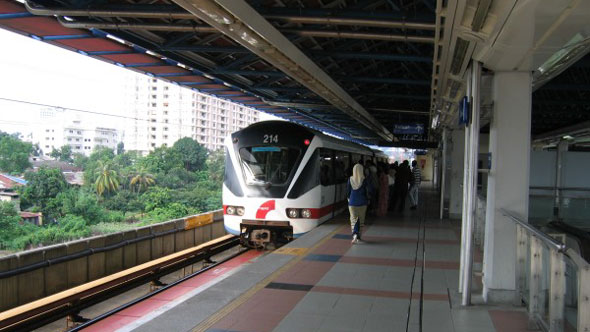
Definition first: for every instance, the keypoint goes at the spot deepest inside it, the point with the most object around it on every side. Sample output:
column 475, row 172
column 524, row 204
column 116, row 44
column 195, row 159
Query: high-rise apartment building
column 59, row 128
column 159, row 113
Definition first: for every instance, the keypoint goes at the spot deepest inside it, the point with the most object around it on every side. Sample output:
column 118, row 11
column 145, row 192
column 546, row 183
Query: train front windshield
column 265, row 165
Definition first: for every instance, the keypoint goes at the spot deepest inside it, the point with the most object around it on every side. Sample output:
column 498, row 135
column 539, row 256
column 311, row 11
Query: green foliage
column 161, row 160
column 156, row 197
column 80, row 160
column 120, row 148
column 111, row 227
column 193, row 155
column 81, row 203
column 176, row 178
column 62, row 154
column 216, row 165
column 100, row 153
column 170, row 211
column 42, row 186
column 107, row 179
column 125, row 201
column 14, row 154
column 9, row 223
column 141, row 180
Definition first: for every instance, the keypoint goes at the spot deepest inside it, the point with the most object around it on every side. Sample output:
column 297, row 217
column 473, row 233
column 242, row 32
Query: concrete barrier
column 114, row 253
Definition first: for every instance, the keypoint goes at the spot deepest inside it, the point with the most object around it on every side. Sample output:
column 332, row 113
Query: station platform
column 403, row 276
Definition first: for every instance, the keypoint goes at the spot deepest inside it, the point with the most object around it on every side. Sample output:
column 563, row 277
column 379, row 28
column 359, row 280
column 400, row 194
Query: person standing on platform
column 383, row 190
column 358, row 198
column 402, row 178
column 415, row 184
column 392, row 171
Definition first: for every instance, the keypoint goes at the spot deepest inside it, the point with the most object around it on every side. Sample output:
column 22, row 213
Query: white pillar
column 508, row 181
column 456, row 175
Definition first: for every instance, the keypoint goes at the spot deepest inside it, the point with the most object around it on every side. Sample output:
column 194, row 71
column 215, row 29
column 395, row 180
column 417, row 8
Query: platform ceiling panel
column 378, row 52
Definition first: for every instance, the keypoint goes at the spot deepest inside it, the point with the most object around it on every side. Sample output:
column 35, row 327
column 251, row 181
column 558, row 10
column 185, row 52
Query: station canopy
column 358, row 69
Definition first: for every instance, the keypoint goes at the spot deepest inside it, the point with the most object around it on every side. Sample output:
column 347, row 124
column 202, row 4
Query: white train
column 282, row 180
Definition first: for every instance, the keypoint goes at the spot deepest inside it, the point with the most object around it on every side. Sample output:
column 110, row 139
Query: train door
column 342, row 163
column 327, row 177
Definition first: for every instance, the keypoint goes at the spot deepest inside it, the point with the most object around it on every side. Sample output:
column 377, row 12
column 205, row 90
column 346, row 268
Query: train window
column 326, row 167
column 341, row 167
column 264, row 165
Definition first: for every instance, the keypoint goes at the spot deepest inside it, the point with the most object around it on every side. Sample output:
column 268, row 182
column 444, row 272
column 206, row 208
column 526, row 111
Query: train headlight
column 306, row 213
column 230, row 210
column 292, row 213
column 240, row 211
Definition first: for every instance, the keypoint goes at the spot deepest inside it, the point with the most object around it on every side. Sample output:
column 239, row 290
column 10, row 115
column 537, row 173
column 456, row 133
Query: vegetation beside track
column 122, row 190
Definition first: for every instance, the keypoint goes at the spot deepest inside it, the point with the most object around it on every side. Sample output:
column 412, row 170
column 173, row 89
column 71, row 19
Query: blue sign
column 266, row 149
column 464, row 111
column 408, row 129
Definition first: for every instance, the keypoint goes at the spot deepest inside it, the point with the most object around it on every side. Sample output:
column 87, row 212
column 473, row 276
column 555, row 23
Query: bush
column 111, row 227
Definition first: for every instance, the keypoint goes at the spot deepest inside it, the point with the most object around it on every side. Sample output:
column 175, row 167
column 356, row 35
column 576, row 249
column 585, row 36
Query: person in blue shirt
column 358, row 199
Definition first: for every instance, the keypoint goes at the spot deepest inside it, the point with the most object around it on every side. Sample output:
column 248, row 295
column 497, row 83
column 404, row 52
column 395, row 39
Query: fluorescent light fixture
column 568, row 137
column 119, row 40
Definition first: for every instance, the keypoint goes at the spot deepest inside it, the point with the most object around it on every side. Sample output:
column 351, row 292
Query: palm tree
column 107, row 179
column 142, row 180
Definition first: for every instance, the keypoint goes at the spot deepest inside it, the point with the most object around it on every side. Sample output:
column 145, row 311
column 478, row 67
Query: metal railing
column 547, row 309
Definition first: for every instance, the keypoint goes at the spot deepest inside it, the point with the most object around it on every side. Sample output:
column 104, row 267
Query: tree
column 193, row 154
column 62, row 154
column 142, row 180
column 216, row 165
column 107, row 180
column 161, row 160
column 9, row 220
column 80, row 160
column 120, row 148
column 42, row 186
column 100, row 153
column 14, row 154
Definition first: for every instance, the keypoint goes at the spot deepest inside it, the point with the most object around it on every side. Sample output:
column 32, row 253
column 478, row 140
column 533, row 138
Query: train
column 282, row 180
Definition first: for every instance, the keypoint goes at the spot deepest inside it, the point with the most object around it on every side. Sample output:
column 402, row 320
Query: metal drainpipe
column 443, row 171
column 466, row 177
column 468, row 264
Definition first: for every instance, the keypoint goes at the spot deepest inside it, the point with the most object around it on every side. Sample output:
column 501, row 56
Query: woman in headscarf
column 358, row 199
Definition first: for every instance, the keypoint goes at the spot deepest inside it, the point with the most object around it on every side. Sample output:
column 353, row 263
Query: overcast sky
column 37, row 72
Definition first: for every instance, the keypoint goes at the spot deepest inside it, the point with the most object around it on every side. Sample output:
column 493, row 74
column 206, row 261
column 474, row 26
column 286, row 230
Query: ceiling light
column 568, row 137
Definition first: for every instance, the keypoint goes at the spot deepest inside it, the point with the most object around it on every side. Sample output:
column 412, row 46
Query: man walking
column 415, row 185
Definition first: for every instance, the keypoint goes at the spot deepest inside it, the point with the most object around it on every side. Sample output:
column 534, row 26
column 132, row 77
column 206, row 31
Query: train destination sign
column 408, row 129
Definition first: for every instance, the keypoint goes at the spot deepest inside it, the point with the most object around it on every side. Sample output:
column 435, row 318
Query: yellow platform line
column 220, row 314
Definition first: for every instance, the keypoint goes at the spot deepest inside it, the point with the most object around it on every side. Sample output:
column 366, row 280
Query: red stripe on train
column 325, row 210
column 264, row 209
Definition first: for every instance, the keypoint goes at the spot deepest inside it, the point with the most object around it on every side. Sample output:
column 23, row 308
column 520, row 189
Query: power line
column 111, row 115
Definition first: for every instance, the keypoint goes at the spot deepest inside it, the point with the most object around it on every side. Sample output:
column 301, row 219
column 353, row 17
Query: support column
column 508, row 182
column 456, row 175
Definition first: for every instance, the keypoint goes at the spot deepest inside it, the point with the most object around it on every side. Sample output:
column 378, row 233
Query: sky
column 40, row 73
column 37, row 72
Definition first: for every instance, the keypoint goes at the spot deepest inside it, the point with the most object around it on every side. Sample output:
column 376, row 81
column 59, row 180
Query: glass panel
column 326, row 167
column 268, row 164
column 342, row 167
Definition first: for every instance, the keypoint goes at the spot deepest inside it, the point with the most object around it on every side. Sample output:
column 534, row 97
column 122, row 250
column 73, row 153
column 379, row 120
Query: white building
column 61, row 128
column 160, row 113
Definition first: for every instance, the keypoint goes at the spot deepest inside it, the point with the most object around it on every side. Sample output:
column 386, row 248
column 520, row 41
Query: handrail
column 560, row 247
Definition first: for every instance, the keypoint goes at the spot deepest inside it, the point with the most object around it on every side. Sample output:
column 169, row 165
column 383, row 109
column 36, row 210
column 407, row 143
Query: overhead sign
column 408, row 129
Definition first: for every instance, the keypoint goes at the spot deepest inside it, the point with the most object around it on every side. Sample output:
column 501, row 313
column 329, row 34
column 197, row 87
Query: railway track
column 70, row 302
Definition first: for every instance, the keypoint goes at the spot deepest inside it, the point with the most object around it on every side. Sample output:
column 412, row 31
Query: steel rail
column 150, row 294
column 44, row 311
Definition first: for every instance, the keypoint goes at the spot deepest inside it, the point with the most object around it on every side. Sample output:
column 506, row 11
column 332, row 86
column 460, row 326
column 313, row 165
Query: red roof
column 25, row 214
column 7, row 183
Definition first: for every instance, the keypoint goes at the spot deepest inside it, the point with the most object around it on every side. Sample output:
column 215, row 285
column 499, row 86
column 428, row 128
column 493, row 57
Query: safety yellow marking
column 291, row 251
column 196, row 221
column 213, row 319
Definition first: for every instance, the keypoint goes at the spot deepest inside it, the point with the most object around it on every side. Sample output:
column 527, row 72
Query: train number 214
column 271, row 139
